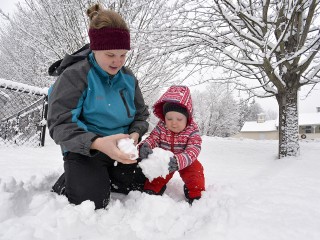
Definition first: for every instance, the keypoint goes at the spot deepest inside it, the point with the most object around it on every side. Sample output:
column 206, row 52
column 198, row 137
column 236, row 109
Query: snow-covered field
column 251, row 195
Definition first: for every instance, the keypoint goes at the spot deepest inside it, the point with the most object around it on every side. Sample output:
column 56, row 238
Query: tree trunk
column 288, row 123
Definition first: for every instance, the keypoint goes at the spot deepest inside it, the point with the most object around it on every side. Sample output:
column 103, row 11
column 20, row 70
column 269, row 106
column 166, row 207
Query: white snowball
column 156, row 164
column 126, row 145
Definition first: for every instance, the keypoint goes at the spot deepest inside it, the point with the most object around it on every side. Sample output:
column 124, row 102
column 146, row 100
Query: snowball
column 156, row 164
column 126, row 145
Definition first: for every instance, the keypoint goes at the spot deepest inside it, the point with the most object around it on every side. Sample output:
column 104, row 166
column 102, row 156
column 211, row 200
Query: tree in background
column 42, row 32
column 273, row 45
column 248, row 111
column 215, row 111
column 271, row 115
column 254, row 109
column 155, row 68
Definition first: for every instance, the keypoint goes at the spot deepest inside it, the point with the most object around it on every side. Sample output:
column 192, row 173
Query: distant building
column 309, row 127
column 260, row 129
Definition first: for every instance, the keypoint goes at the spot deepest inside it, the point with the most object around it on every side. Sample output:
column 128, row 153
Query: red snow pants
column 192, row 176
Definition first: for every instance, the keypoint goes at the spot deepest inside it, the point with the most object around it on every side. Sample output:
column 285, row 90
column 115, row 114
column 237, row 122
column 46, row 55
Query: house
column 260, row 129
column 309, row 127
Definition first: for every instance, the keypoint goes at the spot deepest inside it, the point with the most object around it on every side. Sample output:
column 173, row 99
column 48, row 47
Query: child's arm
column 191, row 152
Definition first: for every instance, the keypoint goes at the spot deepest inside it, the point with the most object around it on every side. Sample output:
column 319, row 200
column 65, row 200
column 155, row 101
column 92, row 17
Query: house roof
column 254, row 126
column 309, row 119
column 305, row 119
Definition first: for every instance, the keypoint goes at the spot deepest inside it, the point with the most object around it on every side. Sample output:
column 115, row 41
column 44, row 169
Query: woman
column 95, row 102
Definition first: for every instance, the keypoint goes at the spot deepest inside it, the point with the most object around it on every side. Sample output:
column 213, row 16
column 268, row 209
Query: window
column 308, row 129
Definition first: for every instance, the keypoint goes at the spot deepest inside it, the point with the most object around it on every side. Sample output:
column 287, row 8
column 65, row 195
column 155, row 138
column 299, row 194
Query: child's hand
column 173, row 165
column 135, row 137
column 145, row 150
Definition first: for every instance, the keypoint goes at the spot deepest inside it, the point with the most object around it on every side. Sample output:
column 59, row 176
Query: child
column 177, row 132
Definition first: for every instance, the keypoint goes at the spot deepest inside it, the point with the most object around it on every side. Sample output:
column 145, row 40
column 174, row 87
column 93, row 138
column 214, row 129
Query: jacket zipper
column 172, row 142
column 125, row 103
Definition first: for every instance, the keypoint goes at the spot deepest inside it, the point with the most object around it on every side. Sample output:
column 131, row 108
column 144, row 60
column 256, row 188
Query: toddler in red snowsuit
column 177, row 132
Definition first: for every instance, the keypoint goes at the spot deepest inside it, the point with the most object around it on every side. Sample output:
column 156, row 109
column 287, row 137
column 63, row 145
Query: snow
column 22, row 87
column 126, row 145
column 250, row 194
column 309, row 119
column 305, row 119
column 156, row 164
column 254, row 126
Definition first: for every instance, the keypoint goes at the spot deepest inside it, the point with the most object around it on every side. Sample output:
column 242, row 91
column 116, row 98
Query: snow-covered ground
column 251, row 195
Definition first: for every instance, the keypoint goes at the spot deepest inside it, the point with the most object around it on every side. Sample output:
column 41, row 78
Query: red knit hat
column 109, row 38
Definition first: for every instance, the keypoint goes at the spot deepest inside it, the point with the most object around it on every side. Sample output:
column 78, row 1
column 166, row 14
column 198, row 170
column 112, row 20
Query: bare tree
column 216, row 111
column 254, row 110
column 273, row 45
column 42, row 32
column 248, row 111
column 155, row 67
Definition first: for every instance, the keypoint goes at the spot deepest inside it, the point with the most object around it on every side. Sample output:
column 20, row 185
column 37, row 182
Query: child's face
column 175, row 121
column 110, row 61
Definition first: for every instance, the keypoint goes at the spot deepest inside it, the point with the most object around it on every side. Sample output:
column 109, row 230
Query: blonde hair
column 100, row 17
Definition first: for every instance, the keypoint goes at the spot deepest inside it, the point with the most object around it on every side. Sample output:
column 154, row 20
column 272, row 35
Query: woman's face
column 110, row 61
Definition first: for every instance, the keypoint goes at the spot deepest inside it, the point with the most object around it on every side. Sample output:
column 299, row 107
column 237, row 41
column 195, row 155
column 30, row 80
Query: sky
column 250, row 194
column 306, row 104
column 8, row 6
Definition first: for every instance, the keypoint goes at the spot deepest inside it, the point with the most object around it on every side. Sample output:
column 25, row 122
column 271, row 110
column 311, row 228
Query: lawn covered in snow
column 251, row 195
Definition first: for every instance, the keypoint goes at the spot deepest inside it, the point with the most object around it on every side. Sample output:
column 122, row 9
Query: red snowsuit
column 185, row 145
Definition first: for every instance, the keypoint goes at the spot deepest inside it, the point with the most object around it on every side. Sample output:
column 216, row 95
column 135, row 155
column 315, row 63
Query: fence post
column 23, row 114
column 44, row 118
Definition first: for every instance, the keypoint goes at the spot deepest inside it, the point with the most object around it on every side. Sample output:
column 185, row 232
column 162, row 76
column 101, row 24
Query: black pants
column 92, row 178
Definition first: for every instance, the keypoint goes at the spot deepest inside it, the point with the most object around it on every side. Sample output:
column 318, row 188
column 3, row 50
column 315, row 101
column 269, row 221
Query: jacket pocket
column 123, row 93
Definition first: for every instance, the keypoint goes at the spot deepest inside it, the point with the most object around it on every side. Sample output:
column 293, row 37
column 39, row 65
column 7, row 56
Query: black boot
column 60, row 186
column 186, row 193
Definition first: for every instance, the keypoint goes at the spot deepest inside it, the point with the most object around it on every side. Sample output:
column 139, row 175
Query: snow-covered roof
column 309, row 119
column 254, row 126
column 305, row 119
column 22, row 87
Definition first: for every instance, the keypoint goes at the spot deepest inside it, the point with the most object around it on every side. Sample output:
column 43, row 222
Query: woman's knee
column 99, row 195
column 86, row 179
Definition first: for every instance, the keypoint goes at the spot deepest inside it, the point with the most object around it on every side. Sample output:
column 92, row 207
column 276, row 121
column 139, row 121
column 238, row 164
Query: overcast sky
column 7, row 6
column 307, row 104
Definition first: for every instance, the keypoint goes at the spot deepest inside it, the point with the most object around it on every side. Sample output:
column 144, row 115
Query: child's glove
column 173, row 165
column 145, row 150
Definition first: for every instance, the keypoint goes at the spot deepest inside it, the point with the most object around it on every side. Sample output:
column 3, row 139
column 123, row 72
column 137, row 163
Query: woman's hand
column 108, row 145
column 135, row 137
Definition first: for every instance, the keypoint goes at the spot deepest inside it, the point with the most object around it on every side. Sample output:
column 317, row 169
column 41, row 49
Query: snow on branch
column 313, row 73
column 21, row 87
